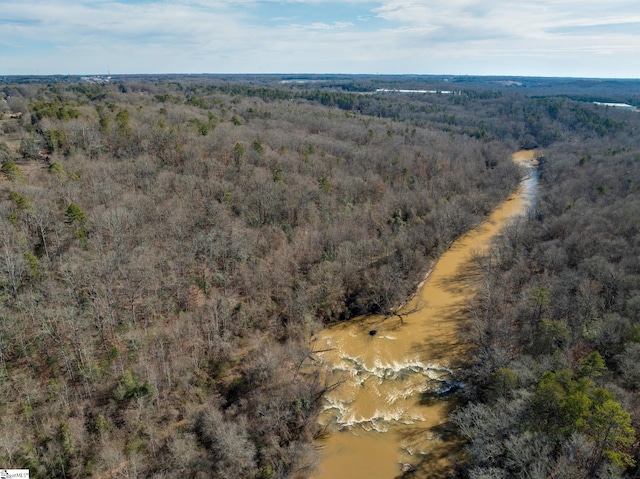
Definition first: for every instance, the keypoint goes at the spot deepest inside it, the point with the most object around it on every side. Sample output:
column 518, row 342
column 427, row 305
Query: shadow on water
column 439, row 347
column 446, row 393
column 462, row 280
column 459, row 283
column 446, row 453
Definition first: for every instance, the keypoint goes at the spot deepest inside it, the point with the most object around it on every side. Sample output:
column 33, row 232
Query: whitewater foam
column 403, row 381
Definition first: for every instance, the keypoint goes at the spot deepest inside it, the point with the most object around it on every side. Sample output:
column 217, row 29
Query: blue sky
column 580, row 38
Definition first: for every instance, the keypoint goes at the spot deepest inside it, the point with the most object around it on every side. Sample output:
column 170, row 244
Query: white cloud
column 545, row 37
column 324, row 26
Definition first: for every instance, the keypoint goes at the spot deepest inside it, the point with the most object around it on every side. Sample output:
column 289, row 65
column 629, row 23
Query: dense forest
column 557, row 324
column 168, row 248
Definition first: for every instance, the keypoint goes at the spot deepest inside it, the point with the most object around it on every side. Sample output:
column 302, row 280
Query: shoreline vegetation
column 168, row 246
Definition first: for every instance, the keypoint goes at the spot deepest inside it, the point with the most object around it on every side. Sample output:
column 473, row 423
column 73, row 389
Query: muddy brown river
column 390, row 410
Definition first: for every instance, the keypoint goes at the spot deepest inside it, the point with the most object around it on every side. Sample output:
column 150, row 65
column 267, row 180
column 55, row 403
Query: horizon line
column 300, row 74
